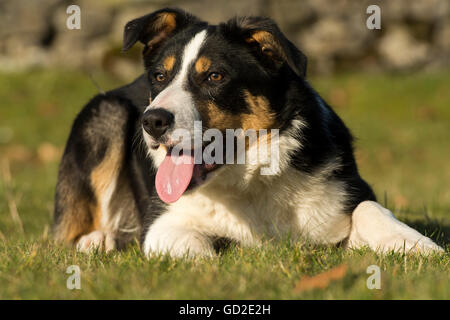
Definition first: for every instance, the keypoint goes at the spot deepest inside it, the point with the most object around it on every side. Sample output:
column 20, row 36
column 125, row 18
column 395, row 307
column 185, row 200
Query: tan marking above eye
column 202, row 64
column 169, row 62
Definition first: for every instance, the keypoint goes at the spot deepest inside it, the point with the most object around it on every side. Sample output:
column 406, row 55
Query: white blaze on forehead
column 169, row 96
column 190, row 53
column 177, row 100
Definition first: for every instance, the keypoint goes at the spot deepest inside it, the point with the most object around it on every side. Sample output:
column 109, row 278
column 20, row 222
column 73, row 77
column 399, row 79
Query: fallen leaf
column 322, row 280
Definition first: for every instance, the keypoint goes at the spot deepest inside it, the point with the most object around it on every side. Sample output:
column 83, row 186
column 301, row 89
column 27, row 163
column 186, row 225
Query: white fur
column 157, row 155
column 110, row 224
column 377, row 228
column 106, row 221
column 241, row 204
column 175, row 98
column 96, row 240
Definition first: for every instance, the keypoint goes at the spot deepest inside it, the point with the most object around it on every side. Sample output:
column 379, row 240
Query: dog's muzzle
column 157, row 122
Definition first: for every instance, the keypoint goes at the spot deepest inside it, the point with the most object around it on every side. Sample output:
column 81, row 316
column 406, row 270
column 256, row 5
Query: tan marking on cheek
column 202, row 64
column 168, row 63
column 214, row 117
column 261, row 116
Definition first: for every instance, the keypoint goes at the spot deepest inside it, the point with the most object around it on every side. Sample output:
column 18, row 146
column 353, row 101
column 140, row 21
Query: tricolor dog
column 120, row 177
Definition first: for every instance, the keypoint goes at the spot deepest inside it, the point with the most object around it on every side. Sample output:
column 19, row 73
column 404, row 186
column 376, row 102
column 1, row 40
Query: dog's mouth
column 178, row 172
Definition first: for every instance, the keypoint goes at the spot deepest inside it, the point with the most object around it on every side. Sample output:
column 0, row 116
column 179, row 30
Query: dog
column 118, row 181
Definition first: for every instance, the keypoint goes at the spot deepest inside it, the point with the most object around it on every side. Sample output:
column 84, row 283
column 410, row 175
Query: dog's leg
column 93, row 203
column 174, row 235
column 376, row 227
column 96, row 240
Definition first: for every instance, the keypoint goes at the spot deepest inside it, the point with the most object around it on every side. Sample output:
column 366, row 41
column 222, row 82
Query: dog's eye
column 160, row 77
column 214, row 76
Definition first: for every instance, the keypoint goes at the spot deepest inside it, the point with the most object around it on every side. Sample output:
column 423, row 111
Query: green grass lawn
column 402, row 125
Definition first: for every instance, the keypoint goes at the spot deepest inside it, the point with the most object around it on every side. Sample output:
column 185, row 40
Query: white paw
column 96, row 240
column 177, row 243
column 418, row 244
column 376, row 227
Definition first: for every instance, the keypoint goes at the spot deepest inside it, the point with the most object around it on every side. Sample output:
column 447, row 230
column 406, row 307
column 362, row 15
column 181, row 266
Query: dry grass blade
column 6, row 174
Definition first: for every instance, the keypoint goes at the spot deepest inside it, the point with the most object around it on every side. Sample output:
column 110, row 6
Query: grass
column 403, row 149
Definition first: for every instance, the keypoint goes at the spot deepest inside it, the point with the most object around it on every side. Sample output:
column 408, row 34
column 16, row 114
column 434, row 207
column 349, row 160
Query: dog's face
column 230, row 76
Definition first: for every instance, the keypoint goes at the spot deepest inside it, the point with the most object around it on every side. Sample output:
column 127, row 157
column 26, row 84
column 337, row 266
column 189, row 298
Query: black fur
column 280, row 77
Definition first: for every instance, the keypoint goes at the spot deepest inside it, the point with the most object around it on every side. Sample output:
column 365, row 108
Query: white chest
column 291, row 205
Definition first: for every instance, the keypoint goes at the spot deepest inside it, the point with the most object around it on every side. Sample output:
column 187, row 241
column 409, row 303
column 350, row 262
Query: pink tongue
column 173, row 177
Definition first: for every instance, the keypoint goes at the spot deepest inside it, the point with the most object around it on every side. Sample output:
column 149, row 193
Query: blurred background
column 415, row 34
column 391, row 87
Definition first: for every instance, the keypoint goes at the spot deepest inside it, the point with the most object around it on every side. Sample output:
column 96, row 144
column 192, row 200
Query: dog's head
column 228, row 76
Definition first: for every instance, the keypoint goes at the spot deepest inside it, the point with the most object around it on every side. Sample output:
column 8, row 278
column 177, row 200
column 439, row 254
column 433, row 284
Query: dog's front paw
column 376, row 227
column 177, row 243
column 411, row 243
column 96, row 240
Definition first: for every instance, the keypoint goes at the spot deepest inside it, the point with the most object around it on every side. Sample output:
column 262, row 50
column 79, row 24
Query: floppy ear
column 153, row 29
column 269, row 42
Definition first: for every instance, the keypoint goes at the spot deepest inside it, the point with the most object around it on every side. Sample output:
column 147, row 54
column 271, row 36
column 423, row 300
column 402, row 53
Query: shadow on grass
column 437, row 230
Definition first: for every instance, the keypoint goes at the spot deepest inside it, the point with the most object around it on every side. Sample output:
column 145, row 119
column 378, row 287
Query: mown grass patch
column 402, row 125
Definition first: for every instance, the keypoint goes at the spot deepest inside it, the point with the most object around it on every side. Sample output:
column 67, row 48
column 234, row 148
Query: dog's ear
column 153, row 29
column 264, row 36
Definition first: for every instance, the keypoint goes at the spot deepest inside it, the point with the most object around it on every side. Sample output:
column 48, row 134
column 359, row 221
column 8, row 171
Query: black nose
column 156, row 122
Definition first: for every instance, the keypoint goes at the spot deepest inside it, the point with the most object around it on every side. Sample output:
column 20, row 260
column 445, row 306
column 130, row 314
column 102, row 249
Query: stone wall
column 415, row 34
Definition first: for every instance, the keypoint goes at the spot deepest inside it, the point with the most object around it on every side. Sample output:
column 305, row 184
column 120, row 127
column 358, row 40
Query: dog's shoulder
column 108, row 119
column 136, row 92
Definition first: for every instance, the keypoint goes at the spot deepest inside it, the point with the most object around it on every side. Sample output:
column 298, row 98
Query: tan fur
column 76, row 221
column 238, row 204
column 202, row 64
column 214, row 117
column 166, row 22
column 168, row 63
column 102, row 176
column 269, row 45
column 260, row 117
column 163, row 26
column 85, row 215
